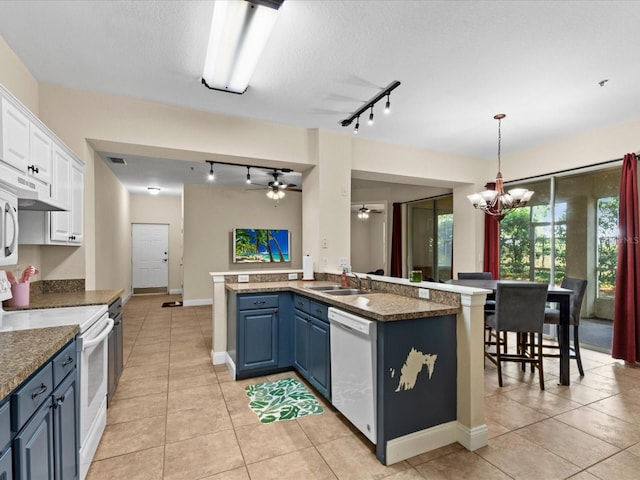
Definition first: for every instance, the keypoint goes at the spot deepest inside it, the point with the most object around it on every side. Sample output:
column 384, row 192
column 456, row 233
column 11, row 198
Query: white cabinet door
column 15, row 136
column 41, row 147
column 77, row 201
column 60, row 190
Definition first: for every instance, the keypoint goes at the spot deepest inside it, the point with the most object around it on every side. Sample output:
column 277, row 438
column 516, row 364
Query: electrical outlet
column 324, row 243
column 243, row 278
column 423, row 293
column 343, row 262
column 293, row 276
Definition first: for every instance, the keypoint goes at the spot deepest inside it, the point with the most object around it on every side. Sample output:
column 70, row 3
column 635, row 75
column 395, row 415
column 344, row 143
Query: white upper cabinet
column 15, row 136
column 77, row 201
column 41, row 158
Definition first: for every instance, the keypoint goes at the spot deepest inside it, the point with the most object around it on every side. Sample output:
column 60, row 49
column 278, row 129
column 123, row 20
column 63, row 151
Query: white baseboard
column 422, row 441
column 218, row 358
column 474, row 438
column 197, row 302
column 175, row 291
column 230, row 365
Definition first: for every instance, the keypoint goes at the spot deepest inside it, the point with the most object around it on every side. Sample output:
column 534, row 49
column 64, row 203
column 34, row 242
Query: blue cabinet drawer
column 5, row 425
column 30, row 396
column 6, row 461
column 63, row 363
column 301, row 303
column 319, row 310
column 257, row 301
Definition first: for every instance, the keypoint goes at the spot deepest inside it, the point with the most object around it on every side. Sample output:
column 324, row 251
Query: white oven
column 94, row 326
column 8, row 228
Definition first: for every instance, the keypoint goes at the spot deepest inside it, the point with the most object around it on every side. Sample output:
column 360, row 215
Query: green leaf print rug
column 285, row 399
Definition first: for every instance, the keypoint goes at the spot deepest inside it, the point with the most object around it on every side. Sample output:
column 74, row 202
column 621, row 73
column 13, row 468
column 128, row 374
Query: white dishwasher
column 353, row 369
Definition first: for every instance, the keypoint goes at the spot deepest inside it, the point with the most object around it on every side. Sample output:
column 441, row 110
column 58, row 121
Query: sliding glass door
column 570, row 228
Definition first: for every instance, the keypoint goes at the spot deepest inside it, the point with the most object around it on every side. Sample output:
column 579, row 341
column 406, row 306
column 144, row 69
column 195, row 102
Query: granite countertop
column 70, row 299
column 382, row 307
column 22, row 352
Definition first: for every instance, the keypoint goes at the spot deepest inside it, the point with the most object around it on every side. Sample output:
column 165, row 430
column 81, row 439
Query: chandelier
column 496, row 202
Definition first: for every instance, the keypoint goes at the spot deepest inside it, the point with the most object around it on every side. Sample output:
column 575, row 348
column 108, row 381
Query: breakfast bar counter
column 70, row 299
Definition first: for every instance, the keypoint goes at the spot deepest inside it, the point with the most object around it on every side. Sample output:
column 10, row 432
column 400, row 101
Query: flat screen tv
column 260, row 245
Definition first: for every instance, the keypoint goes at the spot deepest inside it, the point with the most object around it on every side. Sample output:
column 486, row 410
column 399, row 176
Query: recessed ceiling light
column 153, row 190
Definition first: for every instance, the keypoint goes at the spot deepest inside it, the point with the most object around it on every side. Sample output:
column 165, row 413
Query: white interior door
column 150, row 255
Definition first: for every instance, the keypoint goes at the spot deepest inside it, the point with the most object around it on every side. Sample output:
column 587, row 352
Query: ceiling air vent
column 117, row 160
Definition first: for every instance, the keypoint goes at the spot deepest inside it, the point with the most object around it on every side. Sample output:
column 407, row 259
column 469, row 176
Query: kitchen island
column 443, row 404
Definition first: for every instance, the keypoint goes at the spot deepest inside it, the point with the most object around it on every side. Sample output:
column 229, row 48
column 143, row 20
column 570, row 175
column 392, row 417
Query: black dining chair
column 552, row 317
column 519, row 309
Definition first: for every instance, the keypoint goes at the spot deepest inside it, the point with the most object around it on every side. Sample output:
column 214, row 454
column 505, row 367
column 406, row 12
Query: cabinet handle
column 60, row 399
column 67, row 361
column 72, row 237
column 261, row 302
column 43, row 388
column 33, row 169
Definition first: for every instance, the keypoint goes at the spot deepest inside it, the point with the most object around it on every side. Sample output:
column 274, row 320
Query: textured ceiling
column 460, row 62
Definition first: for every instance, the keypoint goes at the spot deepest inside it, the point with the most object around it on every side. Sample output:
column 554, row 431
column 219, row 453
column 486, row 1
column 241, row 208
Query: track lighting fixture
column 211, row 176
column 369, row 106
column 248, row 175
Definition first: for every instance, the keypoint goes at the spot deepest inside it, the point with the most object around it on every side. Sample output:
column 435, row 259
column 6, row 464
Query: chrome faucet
column 369, row 283
column 358, row 280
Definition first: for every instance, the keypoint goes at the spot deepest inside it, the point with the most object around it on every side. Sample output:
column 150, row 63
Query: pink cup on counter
column 20, row 292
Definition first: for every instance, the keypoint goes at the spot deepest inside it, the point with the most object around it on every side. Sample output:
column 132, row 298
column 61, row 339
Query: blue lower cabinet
column 6, row 472
column 320, row 356
column 258, row 338
column 65, row 428
column 34, row 446
column 301, row 343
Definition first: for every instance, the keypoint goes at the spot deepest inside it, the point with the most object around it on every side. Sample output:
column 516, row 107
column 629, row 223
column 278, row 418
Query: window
column 569, row 228
column 607, row 242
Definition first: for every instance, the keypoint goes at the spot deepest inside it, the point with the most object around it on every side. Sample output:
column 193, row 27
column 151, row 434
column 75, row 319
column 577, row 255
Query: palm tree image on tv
column 253, row 245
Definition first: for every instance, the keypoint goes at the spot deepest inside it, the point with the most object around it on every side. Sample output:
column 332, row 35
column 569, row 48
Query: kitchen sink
column 327, row 287
column 348, row 291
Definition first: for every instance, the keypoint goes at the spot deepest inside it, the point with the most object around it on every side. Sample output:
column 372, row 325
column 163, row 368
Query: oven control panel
column 5, row 287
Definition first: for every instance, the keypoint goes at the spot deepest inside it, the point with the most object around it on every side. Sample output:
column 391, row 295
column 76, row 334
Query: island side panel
column 232, row 326
column 417, row 377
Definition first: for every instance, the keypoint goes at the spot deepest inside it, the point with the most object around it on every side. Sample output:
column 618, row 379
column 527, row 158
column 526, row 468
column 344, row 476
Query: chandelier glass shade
column 275, row 193
column 363, row 213
column 496, row 202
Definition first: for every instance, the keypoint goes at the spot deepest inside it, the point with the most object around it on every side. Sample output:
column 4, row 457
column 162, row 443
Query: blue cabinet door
column 320, row 356
column 258, row 338
column 34, row 446
column 6, row 472
column 65, row 419
column 301, row 342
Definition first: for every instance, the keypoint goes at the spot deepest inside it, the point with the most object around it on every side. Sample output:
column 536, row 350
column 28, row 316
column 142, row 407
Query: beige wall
column 112, row 231
column 166, row 210
column 17, row 78
column 210, row 215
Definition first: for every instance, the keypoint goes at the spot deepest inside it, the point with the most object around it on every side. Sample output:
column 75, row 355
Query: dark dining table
column 555, row 294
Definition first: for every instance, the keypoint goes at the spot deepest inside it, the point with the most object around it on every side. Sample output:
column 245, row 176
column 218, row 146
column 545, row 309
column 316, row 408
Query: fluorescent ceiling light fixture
column 153, row 190
column 239, row 31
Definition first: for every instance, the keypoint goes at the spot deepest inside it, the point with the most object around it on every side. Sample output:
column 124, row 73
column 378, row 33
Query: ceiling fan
column 363, row 212
column 276, row 187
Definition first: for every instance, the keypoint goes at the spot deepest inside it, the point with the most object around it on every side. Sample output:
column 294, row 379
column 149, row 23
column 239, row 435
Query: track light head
column 387, row 106
column 355, row 130
column 371, row 116
column 211, row 176
column 248, row 175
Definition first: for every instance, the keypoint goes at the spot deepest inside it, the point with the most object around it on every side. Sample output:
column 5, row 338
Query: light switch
column 243, row 278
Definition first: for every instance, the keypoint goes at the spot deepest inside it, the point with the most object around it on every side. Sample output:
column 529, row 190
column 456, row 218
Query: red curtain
column 491, row 242
column 626, row 310
column 396, row 241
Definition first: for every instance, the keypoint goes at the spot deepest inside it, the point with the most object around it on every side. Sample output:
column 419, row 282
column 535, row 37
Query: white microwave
column 8, row 228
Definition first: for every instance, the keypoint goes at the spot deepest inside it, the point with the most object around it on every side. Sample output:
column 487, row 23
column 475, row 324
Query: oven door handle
column 101, row 336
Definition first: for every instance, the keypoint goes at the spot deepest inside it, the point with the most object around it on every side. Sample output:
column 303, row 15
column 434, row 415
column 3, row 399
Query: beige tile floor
column 175, row 416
